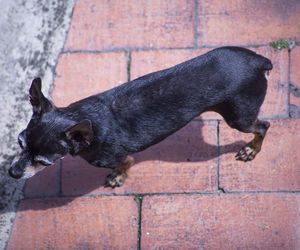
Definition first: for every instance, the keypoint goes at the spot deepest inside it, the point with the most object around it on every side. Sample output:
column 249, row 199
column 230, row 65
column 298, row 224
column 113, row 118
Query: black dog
column 105, row 128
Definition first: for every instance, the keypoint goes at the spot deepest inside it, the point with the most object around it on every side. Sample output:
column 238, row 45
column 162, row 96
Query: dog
column 105, row 129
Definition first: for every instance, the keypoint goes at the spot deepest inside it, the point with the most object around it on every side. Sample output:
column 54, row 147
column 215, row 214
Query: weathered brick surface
column 80, row 75
column 276, row 101
column 187, row 161
column 275, row 168
column 79, row 177
column 83, row 223
column 98, row 25
column 239, row 221
column 242, row 22
column 295, row 76
column 145, row 62
column 44, row 183
column 184, row 162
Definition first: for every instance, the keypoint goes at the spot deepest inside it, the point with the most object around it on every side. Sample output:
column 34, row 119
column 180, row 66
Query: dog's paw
column 247, row 153
column 115, row 179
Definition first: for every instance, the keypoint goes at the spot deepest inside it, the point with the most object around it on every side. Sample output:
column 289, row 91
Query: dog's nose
column 15, row 173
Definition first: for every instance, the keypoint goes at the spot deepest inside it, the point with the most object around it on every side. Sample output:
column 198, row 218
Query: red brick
column 295, row 75
column 242, row 22
column 275, row 168
column 98, row 25
column 80, row 75
column 83, row 223
column 79, row 177
column 145, row 62
column 44, row 183
column 276, row 101
column 235, row 221
column 184, row 162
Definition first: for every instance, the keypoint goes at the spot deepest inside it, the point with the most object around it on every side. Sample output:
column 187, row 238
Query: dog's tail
column 265, row 65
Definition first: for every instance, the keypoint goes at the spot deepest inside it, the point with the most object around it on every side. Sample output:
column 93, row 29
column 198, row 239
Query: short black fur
column 105, row 128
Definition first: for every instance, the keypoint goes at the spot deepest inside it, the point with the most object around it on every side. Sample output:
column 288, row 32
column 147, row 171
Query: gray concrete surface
column 32, row 35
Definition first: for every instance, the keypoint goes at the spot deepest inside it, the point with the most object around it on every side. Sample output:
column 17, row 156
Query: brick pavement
column 186, row 192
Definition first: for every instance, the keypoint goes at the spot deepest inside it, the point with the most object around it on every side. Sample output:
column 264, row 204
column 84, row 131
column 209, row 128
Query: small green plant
column 138, row 199
column 282, row 44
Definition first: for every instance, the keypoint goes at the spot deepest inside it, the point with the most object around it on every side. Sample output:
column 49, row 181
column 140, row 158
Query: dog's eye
column 44, row 163
column 43, row 160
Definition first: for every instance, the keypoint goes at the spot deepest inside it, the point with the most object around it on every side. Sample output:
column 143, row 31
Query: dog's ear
column 80, row 135
column 39, row 102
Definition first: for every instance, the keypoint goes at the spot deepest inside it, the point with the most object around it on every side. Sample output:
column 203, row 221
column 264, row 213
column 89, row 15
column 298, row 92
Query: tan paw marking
column 247, row 153
column 119, row 175
column 115, row 179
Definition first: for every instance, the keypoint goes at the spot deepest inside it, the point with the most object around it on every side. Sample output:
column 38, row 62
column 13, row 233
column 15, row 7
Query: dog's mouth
column 31, row 171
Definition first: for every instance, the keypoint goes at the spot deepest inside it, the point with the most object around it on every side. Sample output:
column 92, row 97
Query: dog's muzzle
column 22, row 167
column 15, row 171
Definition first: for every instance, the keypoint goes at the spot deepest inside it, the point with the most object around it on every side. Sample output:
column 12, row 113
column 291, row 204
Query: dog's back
column 154, row 106
column 201, row 80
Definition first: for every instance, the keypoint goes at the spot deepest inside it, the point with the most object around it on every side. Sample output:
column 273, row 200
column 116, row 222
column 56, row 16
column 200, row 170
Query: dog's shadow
column 73, row 177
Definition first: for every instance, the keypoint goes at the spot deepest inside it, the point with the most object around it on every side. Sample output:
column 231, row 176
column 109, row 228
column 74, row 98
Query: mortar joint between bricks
column 218, row 152
column 139, row 200
column 128, row 69
column 289, row 85
column 221, row 190
column 60, row 167
column 293, row 110
column 196, row 33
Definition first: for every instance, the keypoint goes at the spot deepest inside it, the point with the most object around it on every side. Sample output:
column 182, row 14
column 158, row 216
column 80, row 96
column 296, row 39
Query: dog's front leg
column 119, row 174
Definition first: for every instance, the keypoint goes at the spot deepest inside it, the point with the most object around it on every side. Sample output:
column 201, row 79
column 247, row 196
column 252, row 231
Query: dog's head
column 48, row 137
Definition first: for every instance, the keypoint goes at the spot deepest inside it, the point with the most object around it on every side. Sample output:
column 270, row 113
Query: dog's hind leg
column 119, row 174
column 241, row 114
column 248, row 152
